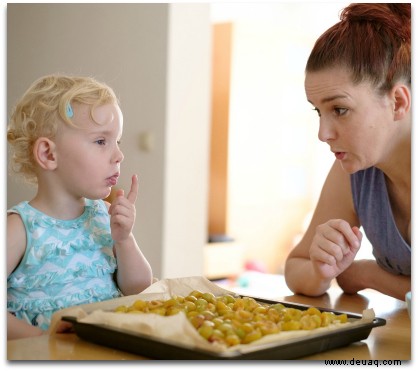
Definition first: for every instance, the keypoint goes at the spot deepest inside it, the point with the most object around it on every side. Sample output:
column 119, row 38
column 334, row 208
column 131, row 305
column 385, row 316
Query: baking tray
column 158, row 348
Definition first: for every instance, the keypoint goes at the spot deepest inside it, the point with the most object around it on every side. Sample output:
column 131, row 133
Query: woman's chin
column 350, row 168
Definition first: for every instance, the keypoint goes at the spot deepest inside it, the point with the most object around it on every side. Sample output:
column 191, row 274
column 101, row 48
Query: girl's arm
column 134, row 273
column 16, row 244
column 17, row 328
column 331, row 241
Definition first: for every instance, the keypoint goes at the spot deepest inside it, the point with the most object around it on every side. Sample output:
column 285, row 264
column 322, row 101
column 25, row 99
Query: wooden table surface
column 389, row 342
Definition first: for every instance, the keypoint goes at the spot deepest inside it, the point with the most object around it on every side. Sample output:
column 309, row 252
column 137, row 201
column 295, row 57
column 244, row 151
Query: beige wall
column 157, row 59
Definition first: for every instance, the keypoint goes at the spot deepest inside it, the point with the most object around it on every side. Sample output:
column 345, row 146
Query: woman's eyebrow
column 331, row 98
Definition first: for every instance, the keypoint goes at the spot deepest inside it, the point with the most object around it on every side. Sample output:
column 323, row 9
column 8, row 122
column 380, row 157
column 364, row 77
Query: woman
column 358, row 78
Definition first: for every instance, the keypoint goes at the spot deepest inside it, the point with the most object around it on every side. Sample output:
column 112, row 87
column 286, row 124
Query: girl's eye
column 101, row 142
column 340, row 111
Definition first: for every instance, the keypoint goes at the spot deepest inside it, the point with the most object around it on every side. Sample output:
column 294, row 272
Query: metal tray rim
column 299, row 347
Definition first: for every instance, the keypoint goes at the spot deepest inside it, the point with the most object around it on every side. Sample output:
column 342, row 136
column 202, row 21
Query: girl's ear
column 402, row 100
column 44, row 153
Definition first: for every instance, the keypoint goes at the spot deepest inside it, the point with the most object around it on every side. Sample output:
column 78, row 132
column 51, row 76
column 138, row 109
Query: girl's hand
column 334, row 247
column 122, row 212
column 64, row 327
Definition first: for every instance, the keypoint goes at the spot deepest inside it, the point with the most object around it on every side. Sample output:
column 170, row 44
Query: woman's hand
column 122, row 212
column 334, row 247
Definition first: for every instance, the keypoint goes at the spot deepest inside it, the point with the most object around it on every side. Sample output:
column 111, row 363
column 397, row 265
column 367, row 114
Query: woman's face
column 354, row 120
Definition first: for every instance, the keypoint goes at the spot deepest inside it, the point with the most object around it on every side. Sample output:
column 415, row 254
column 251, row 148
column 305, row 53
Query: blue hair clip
column 69, row 110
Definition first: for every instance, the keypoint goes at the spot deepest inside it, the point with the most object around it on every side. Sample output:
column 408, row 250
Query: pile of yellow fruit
column 235, row 320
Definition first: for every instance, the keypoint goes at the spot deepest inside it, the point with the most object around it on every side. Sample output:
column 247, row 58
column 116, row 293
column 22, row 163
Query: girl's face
column 354, row 120
column 88, row 155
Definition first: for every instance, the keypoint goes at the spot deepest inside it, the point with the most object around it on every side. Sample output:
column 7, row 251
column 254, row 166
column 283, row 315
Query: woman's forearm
column 363, row 274
column 301, row 277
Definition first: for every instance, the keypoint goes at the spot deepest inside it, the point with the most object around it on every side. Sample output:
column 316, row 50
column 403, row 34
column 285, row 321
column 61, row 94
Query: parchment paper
column 177, row 328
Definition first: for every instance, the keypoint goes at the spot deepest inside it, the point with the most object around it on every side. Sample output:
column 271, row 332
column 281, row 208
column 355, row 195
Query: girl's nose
column 119, row 155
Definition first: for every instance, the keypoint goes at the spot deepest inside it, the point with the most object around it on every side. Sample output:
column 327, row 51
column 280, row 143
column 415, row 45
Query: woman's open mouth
column 340, row 155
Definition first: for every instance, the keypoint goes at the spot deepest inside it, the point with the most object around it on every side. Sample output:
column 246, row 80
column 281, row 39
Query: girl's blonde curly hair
column 43, row 106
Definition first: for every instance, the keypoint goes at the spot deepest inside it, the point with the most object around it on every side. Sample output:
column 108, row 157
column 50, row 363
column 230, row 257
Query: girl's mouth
column 112, row 181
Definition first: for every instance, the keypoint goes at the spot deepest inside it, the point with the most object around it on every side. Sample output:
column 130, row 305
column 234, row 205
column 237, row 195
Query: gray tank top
column 371, row 201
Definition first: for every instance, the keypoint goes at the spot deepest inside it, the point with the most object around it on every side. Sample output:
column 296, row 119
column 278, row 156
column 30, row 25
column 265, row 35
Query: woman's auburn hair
column 42, row 108
column 372, row 40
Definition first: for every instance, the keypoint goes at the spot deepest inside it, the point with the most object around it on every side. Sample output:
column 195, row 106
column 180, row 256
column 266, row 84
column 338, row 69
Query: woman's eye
column 340, row 111
column 317, row 111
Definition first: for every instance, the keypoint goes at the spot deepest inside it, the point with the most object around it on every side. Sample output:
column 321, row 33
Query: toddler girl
column 67, row 246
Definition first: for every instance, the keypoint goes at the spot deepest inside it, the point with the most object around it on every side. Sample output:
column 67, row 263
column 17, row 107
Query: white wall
column 156, row 57
column 188, row 133
column 276, row 163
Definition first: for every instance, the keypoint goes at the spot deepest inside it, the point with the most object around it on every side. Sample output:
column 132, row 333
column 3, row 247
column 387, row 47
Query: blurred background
column 216, row 122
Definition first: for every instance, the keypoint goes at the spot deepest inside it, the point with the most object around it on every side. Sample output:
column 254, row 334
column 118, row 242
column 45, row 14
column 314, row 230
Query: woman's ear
column 44, row 153
column 402, row 100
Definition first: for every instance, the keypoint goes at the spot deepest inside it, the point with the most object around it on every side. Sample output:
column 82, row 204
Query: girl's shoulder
column 16, row 241
column 19, row 208
column 16, row 217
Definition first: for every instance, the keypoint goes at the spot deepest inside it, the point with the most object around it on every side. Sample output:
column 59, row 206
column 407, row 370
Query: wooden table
column 389, row 342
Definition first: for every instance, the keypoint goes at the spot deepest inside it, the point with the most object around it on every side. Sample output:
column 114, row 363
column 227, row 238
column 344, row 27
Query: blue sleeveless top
column 372, row 204
column 66, row 263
